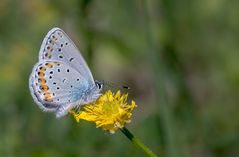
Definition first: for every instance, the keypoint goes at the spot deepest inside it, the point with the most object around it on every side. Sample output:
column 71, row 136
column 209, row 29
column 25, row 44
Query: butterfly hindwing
column 54, row 83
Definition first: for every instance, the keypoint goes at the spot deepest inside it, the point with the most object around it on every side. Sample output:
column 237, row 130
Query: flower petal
column 110, row 111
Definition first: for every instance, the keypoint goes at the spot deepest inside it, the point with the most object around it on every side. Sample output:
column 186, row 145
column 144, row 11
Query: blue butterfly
column 61, row 79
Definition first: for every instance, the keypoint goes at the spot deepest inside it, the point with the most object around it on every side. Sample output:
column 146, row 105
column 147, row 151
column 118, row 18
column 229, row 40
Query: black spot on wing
column 51, row 106
column 71, row 59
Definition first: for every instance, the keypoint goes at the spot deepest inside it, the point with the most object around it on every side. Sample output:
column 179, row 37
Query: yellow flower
column 110, row 111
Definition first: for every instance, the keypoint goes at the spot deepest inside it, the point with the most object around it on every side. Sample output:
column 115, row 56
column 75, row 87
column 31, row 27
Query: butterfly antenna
column 113, row 85
column 126, row 87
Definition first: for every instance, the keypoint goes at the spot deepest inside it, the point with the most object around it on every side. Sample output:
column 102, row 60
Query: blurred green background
column 180, row 58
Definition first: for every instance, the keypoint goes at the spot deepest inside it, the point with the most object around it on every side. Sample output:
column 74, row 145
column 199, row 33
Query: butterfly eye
column 99, row 84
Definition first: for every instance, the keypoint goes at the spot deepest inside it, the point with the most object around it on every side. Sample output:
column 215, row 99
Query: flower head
column 110, row 111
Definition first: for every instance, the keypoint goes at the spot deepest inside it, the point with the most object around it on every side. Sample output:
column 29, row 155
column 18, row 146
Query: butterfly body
column 61, row 79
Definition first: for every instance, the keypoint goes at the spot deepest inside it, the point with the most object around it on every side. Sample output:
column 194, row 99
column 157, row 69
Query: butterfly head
column 99, row 85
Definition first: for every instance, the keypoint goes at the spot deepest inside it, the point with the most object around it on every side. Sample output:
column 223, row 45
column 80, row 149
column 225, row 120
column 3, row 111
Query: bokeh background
column 180, row 58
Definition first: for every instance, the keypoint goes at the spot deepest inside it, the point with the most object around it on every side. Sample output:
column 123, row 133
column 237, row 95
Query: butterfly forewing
column 58, row 46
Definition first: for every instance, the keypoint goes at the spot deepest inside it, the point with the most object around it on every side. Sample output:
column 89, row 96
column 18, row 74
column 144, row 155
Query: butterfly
column 61, row 79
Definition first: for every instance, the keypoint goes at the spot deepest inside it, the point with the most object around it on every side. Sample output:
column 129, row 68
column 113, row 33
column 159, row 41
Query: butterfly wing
column 58, row 46
column 54, row 84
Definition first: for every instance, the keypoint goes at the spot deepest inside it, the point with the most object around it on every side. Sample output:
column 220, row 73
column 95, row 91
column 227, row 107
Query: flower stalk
column 137, row 142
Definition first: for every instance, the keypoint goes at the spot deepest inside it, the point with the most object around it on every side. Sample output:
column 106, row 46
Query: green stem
column 137, row 142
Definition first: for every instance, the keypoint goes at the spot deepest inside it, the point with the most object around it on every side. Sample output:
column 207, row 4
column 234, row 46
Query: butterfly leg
column 96, row 96
column 63, row 110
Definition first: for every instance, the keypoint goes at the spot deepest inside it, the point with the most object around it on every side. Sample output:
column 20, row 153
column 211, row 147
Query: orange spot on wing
column 45, row 87
column 43, row 69
column 48, row 97
column 42, row 81
column 41, row 74
column 49, row 65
